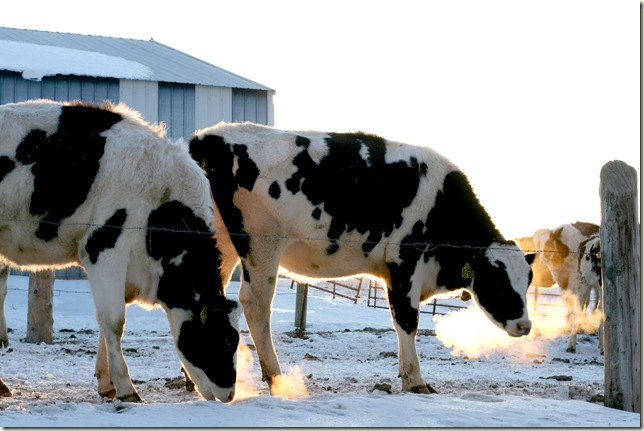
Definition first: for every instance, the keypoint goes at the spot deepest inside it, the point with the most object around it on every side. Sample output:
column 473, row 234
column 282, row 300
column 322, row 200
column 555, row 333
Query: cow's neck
column 459, row 232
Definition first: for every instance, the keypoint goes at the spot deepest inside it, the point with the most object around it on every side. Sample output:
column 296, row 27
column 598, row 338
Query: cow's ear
column 530, row 258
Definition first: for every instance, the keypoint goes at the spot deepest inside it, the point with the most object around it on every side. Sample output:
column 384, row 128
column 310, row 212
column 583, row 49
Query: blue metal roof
column 167, row 64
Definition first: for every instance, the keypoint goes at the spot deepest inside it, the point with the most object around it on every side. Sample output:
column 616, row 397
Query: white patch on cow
column 364, row 153
column 177, row 260
column 235, row 165
column 517, row 271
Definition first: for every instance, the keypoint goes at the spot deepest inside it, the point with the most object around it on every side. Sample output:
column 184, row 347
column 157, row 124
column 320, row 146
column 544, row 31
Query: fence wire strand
column 420, row 246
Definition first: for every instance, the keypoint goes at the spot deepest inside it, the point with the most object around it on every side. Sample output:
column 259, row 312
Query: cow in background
column 329, row 205
column 570, row 257
column 97, row 186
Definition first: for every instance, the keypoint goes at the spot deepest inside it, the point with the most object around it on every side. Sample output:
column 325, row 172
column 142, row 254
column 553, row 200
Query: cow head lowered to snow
column 97, row 186
column 329, row 205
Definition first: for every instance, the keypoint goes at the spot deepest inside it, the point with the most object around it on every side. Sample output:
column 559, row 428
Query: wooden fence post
column 620, row 249
column 300, row 307
column 40, row 312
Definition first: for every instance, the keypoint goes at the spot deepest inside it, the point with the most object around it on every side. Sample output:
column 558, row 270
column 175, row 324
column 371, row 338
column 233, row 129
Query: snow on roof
column 44, row 53
column 37, row 61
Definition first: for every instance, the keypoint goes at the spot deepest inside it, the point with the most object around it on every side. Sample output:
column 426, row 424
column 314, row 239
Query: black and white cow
column 97, row 186
column 327, row 205
column 570, row 257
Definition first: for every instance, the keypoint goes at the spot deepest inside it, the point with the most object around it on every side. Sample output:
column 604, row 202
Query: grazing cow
column 570, row 257
column 97, row 186
column 326, row 205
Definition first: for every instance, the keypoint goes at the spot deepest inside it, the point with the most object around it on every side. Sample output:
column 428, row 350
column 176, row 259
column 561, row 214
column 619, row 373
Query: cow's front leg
column 405, row 316
column 256, row 295
column 105, row 387
column 107, row 282
column 4, row 275
column 111, row 324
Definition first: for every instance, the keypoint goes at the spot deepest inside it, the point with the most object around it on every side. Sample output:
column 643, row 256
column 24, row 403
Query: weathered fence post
column 40, row 313
column 300, row 307
column 620, row 249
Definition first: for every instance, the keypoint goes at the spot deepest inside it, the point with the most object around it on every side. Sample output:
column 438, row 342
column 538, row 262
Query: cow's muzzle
column 518, row 328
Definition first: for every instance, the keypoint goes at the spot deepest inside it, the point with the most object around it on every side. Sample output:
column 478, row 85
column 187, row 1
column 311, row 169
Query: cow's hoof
column 110, row 393
column 4, row 391
column 190, row 385
column 132, row 398
column 571, row 350
column 4, row 342
column 423, row 389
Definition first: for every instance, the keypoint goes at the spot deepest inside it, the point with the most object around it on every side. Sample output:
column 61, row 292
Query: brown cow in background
column 568, row 256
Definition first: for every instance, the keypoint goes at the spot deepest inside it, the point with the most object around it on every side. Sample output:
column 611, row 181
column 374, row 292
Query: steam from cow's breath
column 289, row 385
column 468, row 332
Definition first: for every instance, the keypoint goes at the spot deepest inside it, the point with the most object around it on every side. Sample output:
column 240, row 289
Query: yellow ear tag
column 467, row 271
column 204, row 315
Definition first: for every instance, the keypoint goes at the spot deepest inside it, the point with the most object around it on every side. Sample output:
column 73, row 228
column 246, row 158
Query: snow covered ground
column 343, row 373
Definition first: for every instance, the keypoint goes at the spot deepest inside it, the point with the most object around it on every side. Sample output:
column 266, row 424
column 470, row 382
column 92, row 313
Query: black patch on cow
column 316, row 214
column 274, row 190
column 105, row 237
column 6, row 166
column 65, row 163
column 400, row 275
column 216, row 158
column 247, row 171
column 302, row 141
column 185, row 246
column 362, row 195
column 460, row 230
column 245, row 272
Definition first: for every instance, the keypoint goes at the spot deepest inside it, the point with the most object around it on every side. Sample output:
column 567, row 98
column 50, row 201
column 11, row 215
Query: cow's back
column 66, row 168
column 322, row 191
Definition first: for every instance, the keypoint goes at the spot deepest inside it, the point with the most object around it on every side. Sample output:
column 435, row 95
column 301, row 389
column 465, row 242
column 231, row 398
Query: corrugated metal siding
column 142, row 96
column 168, row 64
column 13, row 88
column 250, row 105
column 212, row 105
column 177, row 108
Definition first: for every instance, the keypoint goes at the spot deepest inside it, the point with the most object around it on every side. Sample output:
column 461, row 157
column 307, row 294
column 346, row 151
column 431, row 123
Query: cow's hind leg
column 4, row 275
column 256, row 295
column 405, row 312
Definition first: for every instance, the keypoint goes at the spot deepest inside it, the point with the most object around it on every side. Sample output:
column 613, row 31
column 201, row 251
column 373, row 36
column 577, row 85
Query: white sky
column 530, row 98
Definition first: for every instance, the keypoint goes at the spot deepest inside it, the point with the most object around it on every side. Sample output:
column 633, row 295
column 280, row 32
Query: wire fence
column 421, row 245
column 376, row 296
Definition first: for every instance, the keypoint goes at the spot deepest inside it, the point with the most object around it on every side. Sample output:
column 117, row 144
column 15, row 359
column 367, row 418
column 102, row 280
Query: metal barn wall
column 142, row 96
column 212, row 105
column 14, row 88
column 250, row 105
column 177, row 108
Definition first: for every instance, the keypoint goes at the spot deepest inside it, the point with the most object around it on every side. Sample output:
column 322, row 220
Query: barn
column 164, row 84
